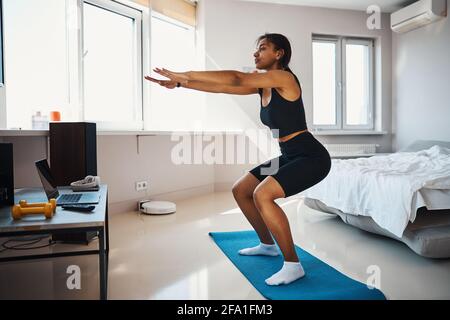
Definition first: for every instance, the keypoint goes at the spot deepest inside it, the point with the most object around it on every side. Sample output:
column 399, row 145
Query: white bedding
column 384, row 187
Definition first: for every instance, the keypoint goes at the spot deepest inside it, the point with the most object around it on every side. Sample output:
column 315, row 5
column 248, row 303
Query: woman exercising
column 303, row 162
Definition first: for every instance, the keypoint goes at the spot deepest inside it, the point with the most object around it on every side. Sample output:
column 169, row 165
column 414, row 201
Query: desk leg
column 103, row 265
column 107, row 227
column 107, row 241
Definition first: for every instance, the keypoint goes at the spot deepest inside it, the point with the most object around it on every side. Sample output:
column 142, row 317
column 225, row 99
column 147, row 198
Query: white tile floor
column 172, row 257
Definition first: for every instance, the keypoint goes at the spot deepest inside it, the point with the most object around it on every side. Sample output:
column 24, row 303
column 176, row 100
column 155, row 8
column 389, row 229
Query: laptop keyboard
column 72, row 198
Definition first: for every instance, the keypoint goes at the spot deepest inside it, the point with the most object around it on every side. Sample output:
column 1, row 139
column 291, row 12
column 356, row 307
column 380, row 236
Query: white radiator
column 351, row 149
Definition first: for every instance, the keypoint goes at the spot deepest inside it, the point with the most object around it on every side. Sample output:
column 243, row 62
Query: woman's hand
column 181, row 77
column 169, row 84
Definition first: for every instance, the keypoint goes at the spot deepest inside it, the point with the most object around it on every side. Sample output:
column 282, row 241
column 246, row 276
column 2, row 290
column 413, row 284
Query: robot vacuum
column 157, row 207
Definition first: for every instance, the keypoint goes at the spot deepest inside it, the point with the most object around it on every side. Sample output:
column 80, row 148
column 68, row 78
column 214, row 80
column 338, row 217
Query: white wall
column 231, row 29
column 421, row 84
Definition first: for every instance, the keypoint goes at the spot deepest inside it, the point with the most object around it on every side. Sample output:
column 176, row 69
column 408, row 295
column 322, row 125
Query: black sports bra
column 284, row 115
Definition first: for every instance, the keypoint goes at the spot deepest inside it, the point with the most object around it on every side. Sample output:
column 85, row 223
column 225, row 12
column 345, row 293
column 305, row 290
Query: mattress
column 433, row 199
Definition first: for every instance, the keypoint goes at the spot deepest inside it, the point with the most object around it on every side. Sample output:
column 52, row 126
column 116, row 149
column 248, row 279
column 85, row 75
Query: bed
column 415, row 208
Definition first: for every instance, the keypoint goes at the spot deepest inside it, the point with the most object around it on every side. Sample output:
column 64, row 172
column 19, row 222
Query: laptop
column 62, row 199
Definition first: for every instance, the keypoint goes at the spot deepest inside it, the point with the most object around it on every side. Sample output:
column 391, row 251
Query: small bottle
column 39, row 122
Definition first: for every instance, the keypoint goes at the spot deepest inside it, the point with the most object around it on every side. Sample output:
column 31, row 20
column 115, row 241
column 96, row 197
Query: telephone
column 88, row 183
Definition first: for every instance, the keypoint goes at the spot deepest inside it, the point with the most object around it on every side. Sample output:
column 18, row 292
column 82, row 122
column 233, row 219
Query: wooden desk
column 62, row 222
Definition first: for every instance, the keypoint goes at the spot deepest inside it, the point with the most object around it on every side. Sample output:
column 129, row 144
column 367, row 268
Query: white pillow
column 425, row 144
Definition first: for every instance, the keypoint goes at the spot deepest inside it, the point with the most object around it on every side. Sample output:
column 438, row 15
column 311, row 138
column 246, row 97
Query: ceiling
column 361, row 5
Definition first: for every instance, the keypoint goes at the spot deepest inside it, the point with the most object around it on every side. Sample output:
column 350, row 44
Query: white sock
column 290, row 272
column 261, row 249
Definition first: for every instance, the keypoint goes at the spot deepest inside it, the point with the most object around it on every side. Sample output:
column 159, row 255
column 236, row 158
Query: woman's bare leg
column 243, row 193
column 278, row 224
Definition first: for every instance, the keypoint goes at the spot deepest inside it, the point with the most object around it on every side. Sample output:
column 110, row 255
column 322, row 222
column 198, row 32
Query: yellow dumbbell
column 18, row 212
column 24, row 204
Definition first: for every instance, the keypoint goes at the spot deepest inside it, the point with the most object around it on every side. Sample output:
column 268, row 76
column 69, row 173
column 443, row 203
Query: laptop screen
column 47, row 179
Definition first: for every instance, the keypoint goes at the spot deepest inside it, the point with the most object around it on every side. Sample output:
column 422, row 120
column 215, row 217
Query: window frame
column 341, row 106
column 140, row 64
column 337, row 80
column 369, row 115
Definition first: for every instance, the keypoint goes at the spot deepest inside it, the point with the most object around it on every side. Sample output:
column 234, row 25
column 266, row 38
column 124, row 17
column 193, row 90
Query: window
column 93, row 75
column 179, row 109
column 112, row 68
column 342, row 83
column 324, row 83
column 36, row 74
column 87, row 59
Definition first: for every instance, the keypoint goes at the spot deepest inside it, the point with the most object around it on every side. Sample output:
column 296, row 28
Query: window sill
column 43, row 133
column 166, row 132
column 348, row 132
column 37, row 133
column 22, row 133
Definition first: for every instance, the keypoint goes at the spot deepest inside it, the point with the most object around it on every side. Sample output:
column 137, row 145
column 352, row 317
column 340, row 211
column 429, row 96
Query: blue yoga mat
column 321, row 281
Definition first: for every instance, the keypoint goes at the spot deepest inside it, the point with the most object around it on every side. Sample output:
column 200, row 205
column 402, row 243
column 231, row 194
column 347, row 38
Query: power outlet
column 141, row 185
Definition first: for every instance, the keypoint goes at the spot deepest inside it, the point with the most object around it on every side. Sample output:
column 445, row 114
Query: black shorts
column 304, row 162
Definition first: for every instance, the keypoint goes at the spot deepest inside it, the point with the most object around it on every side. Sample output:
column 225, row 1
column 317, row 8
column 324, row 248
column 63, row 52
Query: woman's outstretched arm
column 270, row 79
column 205, row 86
column 218, row 88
